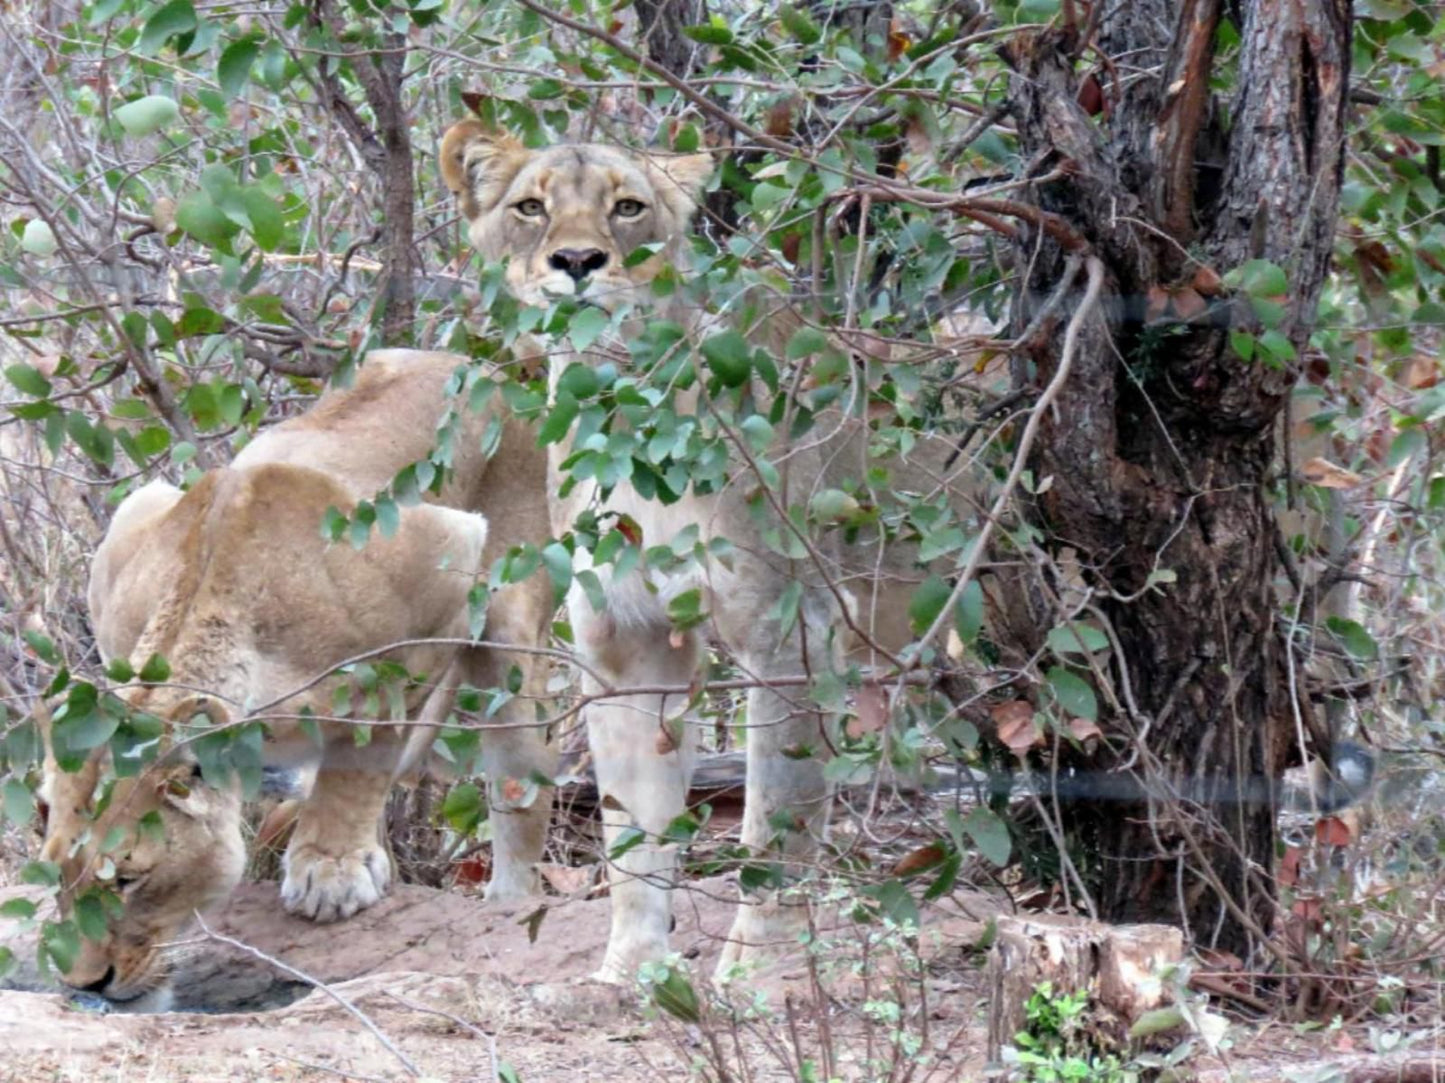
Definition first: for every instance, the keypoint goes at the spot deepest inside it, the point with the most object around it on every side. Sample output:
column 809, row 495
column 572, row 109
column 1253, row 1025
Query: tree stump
column 1119, row 966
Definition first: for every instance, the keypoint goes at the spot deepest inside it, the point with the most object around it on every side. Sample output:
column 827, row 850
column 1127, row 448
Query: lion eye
column 531, row 208
column 628, row 208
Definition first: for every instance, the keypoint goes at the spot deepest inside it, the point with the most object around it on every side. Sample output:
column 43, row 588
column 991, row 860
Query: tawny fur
column 532, row 208
column 233, row 583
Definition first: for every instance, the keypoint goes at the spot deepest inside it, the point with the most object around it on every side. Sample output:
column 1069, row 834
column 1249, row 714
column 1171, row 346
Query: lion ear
column 683, row 179
column 478, row 162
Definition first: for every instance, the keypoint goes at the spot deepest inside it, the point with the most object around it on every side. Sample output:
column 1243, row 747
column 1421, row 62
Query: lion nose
column 98, row 986
column 578, row 262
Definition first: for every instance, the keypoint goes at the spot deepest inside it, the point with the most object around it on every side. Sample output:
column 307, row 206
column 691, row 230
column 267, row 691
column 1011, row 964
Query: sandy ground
column 456, row 986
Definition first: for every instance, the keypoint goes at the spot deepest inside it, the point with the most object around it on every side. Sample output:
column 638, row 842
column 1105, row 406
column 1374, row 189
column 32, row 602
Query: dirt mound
column 452, row 984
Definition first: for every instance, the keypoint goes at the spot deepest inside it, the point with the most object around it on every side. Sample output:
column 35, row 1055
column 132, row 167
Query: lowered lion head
column 566, row 218
column 162, row 845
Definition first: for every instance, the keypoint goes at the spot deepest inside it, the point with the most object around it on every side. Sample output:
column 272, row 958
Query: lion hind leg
column 787, row 798
column 514, row 756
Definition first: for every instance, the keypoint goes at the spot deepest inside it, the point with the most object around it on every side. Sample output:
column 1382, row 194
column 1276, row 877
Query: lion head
column 566, row 218
column 164, row 844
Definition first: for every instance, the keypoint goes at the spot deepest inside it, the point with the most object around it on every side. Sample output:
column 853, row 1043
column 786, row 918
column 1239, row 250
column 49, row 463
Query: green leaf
column 267, row 225
column 685, row 610
column 968, row 616
column 579, row 380
column 89, row 915
column 709, row 34
column 1073, row 694
column 927, row 602
column 1077, row 637
column 7, row 961
column 28, row 380
column 805, row 342
column 16, row 801
column 583, row 329
column 155, row 670
column 233, row 70
column 388, row 516
column 1405, row 446
column 800, row 25
column 200, row 321
column 463, row 808
column 119, row 670
column 627, row 839
column 729, row 357
column 204, row 221
column 40, row 873
column 545, row 89
column 146, row 115
column 175, row 18
column 895, row 900
column 1353, row 637
column 1258, row 278
column 41, row 644
column 675, row 995
column 990, row 835
column 1242, row 343
column 558, row 562
column 38, row 238
column 17, row 910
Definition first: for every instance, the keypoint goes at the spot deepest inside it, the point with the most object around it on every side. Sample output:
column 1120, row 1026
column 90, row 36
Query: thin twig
column 1095, row 269
column 285, row 968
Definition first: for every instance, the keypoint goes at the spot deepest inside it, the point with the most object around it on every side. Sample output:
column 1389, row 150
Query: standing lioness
column 569, row 221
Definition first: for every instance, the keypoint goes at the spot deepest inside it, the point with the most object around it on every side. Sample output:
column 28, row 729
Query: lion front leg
column 336, row 863
column 643, row 754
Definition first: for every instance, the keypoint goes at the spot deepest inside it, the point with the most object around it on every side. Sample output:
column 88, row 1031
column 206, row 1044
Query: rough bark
column 1160, row 447
column 387, row 151
column 659, row 27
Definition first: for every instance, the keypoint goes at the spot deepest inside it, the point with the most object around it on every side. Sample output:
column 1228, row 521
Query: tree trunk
column 659, row 28
column 1160, row 445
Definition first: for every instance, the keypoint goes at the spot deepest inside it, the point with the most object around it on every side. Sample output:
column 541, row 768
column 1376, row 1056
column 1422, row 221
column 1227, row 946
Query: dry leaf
column 1188, row 304
column 1308, row 910
column 778, row 120
column 512, row 790
column 1421, row 371
column 1333, row 831
column 568, row 879
column 163, row 214
column 1327, row 475
column 275, row 829
column 665, row 743
column 871, row 711
column 1084, row 730
column 1091, row 96
column 898, row 42
column 471, row 871
column 1288, row 874
column 954, row 646
column 918, row 860
column 1157, row 302
column 1015, row 722
column 1206, row 281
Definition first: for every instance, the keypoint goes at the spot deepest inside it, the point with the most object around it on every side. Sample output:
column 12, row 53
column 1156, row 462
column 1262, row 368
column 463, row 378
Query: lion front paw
column 324, row 887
